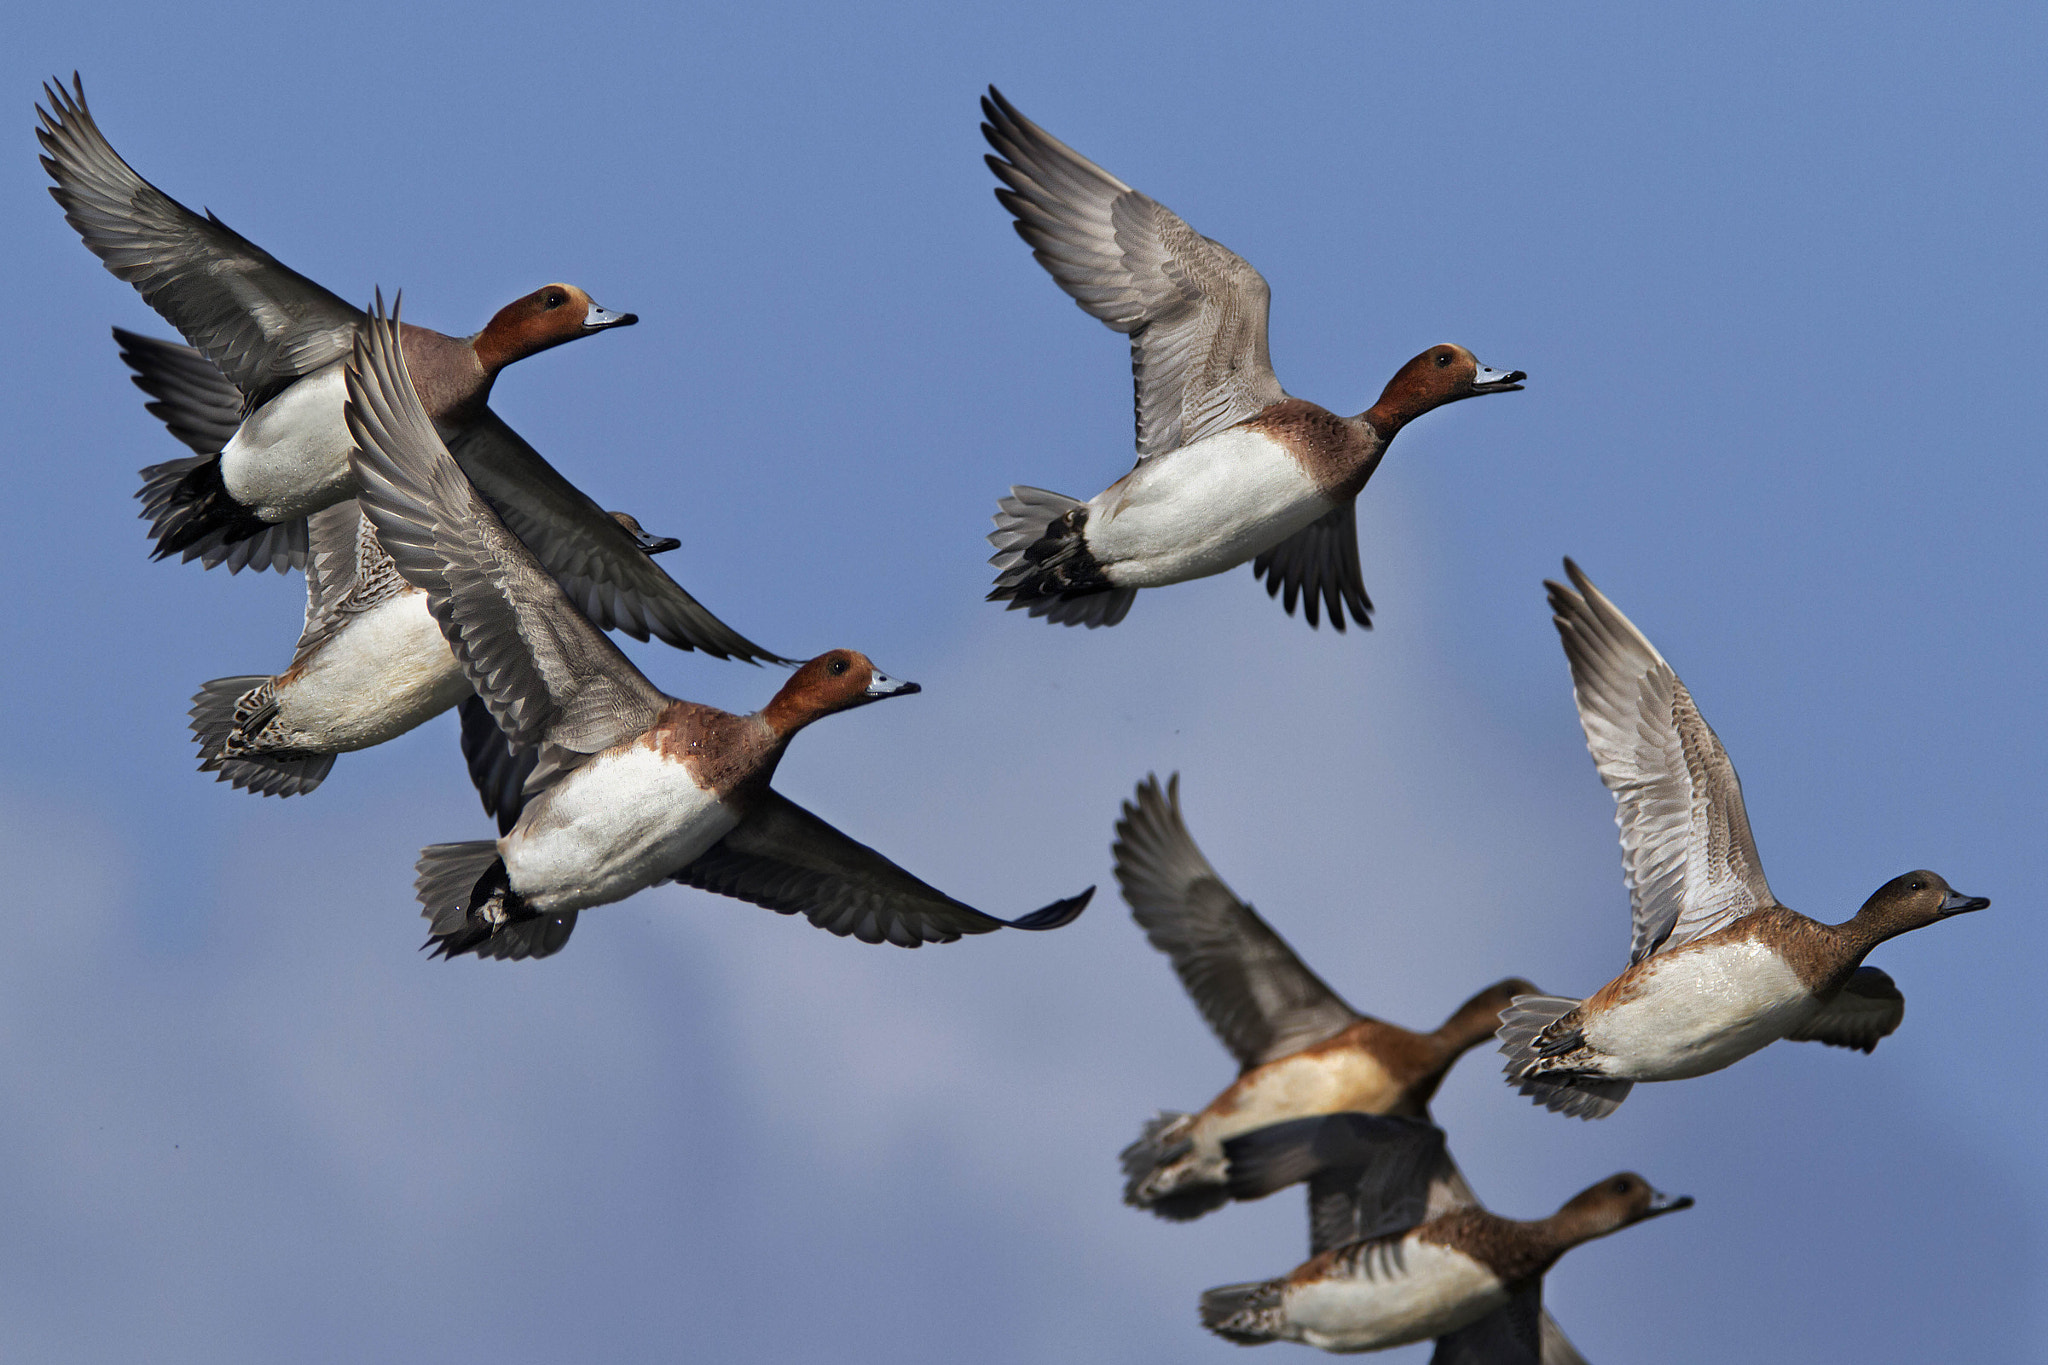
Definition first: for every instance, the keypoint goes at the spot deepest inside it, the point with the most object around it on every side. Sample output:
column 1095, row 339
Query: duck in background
column 1230, row 467
column 1717, row 967
column 1400, row 1251
column 1302, row 1051
column 632, row 787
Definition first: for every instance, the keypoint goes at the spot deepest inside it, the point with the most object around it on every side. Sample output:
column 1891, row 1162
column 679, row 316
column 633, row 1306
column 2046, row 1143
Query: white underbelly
column 289, row 458
column 387, row 671
column 620, row 823
column 1700, row 1011
column 1201, row 509
column 1429, row 1291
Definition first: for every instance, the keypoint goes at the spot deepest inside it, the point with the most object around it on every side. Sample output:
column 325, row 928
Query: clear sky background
column 1776, row 275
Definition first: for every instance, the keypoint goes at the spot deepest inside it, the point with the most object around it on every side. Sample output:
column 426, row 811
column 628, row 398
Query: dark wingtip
column 1056, row 915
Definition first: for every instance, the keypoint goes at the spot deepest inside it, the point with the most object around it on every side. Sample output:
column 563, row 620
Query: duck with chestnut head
column 1718, row 968
column 1230, row 468
column 630, row 786
column 258, row 396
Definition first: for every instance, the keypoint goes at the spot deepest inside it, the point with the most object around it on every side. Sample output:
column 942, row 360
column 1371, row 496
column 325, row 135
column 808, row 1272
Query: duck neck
column 450, row 375
column 1472, row 1024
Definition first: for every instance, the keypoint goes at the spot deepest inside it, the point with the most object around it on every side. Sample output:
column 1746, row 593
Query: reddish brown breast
column 731, row 756
column 1339, row 453
column 451, row 381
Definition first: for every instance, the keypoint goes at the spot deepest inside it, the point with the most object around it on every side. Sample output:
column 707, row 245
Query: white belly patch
column 1428, row 1291
column 1699, row 1011
column 385, row 672
column 620, row 823
column 1200, row 510
column 289, row 458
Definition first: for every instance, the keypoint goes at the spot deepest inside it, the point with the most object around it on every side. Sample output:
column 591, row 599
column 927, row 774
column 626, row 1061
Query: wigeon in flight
column 1717, row 967
column 632, row 787
column 1230, row 468
column 1302, row 1050
column 281, row 339
column 370, row 663
column 1401, row 1251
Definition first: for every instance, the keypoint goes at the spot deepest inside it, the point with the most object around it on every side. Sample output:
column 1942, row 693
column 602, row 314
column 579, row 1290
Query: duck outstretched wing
column 1260, row 999
column 260, row 321
column 1195, row 310
column 1686, row 848
column 789, row 860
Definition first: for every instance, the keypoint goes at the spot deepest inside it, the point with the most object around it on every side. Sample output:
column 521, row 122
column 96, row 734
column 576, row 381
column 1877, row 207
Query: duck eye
column 1917, row 886
column 555, row 299
column 836, row 667
column 1442, row 359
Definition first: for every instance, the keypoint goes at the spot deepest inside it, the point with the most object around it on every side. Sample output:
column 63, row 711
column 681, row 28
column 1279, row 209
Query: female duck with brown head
column 1301, row 1049
column 1401, row 1250
column 1718, row 968
column 1230, row 468
column 631, row 786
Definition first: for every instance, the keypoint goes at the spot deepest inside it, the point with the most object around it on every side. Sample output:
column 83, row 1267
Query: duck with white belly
column 1401, row 1251
column 1230, row 467
column 278, row 340
column 632, row 787
column 1718, row 968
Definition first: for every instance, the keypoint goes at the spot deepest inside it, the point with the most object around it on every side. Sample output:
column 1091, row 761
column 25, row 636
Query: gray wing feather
column 1510, row 1335
column 789, row 860
column 599, row 564
column 1557, row 1347
column 1368, row 1175
column 1319, row 565
column 1690, row 859
column 188, row 393
column 498, row 774
column 260, row 321
column 1195, row 311
column 549, row 676
column 1867, row 1008
column 1261, row 1000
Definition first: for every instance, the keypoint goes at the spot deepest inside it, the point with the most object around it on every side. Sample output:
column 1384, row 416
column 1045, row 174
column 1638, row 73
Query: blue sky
column 1775, row 275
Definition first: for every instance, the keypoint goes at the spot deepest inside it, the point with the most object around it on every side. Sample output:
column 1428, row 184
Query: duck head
column 1440, row 375
column 547, row 317
column 837, row 680
column 1913, row 901
column 1613, row 1204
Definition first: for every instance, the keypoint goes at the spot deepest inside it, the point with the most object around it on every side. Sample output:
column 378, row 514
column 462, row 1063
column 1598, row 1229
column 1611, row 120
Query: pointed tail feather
column 471, row 907
column 1248, row 1314
column 1043, row 564
column 191, row 514
column 1523, row 1025
column 218, row 713
column 1161, row 1175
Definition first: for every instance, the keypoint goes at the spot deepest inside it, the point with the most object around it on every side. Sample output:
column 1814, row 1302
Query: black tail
column 1043, row 563
column 191, row 514
column 470, row 904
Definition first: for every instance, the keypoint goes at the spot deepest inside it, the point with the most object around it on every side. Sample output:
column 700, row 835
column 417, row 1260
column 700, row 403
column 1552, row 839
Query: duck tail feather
column 1248, row 1314
column 226, row 707
column 1043, row 564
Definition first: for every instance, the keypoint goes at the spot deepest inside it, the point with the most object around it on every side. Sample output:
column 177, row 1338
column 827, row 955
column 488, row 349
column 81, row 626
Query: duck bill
column 1956, row 903
column 883, row 687
column 1498, row 381
column 597, row 319
column 1661, row 1202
